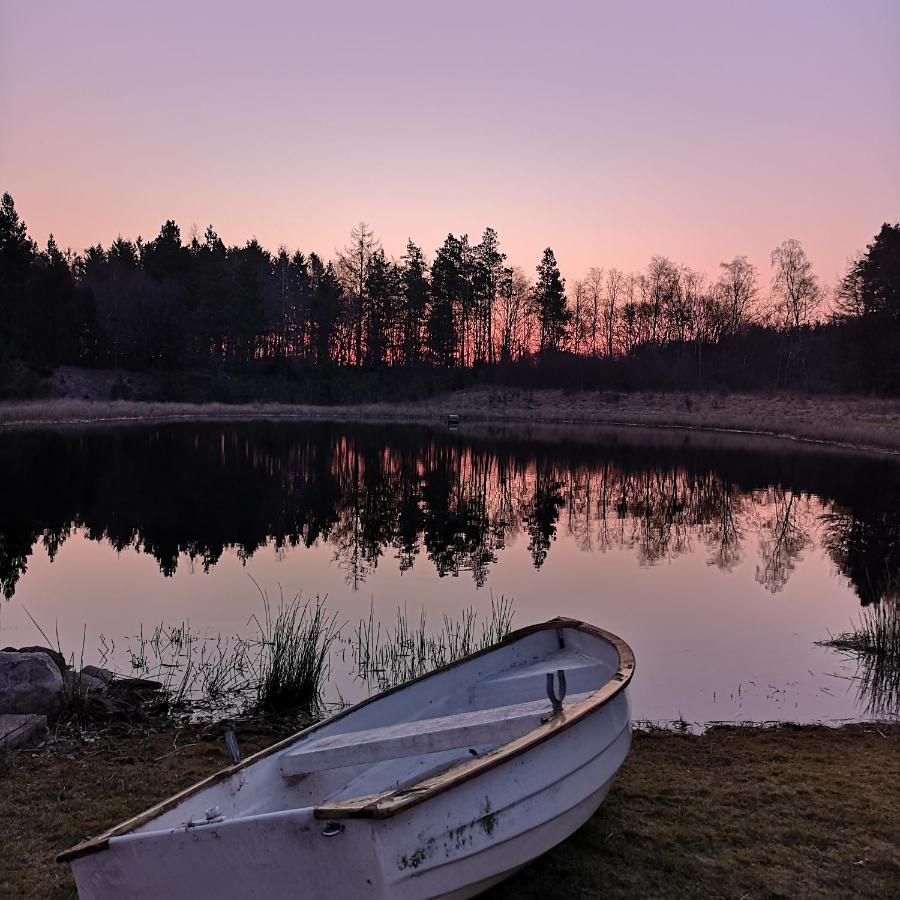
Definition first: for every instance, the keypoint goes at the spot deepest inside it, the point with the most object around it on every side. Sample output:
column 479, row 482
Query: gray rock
column 30, row 683
column 82, row 682
column 96, row 672
column 55, row 655
column 20, row 731
column 137, row 685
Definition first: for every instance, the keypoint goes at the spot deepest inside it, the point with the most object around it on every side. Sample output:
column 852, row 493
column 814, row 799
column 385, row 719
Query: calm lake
column 721, row 564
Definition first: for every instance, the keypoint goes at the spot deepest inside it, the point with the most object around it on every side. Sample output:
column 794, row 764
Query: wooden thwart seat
column 496, row 725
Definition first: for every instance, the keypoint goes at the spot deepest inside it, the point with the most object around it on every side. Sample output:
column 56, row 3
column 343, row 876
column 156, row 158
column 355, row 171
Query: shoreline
column 736, row 811
column 856, row 424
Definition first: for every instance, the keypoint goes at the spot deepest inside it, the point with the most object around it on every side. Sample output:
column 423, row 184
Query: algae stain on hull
column 488, row 821
column 417, row 857
column 458, row 839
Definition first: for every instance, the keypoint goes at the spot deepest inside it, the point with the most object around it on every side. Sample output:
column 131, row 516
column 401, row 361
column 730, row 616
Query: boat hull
column 454, row 845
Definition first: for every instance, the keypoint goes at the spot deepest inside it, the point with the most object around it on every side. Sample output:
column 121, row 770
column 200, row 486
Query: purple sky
column 609, row 131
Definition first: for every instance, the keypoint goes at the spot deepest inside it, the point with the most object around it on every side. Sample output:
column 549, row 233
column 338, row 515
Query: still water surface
column 721, row 565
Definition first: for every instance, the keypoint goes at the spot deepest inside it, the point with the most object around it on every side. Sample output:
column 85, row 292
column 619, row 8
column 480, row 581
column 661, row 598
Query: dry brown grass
column 743, row 813
column 52, row 799
column 791, row 812
column 859, row 422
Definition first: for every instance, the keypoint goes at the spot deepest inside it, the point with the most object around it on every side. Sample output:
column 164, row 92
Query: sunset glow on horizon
column 694, row 130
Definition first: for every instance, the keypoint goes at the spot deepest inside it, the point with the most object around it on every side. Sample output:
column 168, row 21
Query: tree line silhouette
column 369, row 493
column 171, row 304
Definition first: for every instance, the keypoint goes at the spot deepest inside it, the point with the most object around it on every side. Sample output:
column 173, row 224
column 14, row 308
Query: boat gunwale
column 389, row 803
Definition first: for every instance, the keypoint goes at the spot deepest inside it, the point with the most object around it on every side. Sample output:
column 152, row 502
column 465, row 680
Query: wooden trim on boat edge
column 389, row 803
column 392, row 802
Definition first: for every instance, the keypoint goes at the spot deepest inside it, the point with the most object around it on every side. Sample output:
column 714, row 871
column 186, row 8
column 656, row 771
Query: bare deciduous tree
column 630, row 332
column 794, row 286
column 594, row 287
column 513, row 307
column 657, row 288
column 736, row 290
column 616, row 285
column 580, row 316
column 678, row 310
column 693, row 293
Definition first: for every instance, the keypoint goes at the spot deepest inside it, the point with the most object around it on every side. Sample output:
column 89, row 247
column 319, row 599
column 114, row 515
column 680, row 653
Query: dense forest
column 296, row 326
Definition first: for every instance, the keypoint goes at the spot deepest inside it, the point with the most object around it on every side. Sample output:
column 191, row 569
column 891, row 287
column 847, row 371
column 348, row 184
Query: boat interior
column 397, row 739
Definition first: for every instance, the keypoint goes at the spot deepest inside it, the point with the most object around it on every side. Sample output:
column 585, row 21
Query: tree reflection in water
column 378, row 495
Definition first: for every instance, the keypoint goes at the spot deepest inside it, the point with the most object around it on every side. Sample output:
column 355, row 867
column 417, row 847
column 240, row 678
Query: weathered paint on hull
column 563, row 827
column 455, row 845
column 535, row 803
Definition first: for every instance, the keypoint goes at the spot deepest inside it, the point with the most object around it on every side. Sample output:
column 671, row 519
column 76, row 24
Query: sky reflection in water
column 720, row 565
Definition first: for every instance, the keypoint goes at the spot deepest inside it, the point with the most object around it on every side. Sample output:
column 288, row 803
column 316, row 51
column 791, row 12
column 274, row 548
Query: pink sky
column 609, row 131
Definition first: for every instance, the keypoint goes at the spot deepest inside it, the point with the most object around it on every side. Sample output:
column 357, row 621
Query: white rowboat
column 438, row 788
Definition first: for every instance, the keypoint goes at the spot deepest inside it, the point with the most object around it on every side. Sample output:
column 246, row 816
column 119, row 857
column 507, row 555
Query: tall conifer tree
column 550, row 304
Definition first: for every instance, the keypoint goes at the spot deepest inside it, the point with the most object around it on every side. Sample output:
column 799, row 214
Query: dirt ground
column 738, row 812
column 74, row 383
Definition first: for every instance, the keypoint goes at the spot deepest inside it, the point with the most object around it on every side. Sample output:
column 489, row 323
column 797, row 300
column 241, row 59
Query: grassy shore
column 787, row 812
column 857, row 422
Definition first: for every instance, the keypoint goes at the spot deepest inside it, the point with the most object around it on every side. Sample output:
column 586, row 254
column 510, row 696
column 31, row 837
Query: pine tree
column 446, row 314
column 549, row 300
column 17, row 250
column 212, row 291
column 488, row 274
column 353, row 266
column 383, row 289
column 415, row 302
column 252, row 270
column 17, row 255
column 325, row 309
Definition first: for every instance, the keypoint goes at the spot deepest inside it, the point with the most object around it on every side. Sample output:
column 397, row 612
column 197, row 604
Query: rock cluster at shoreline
column 37, row 685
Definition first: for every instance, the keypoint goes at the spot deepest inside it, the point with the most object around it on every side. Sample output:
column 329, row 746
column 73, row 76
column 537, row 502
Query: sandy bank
column 860, row 423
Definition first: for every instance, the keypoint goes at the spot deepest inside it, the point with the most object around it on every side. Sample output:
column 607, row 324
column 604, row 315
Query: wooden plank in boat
column 389, row 803
column 583, row 675
column 495, row 725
